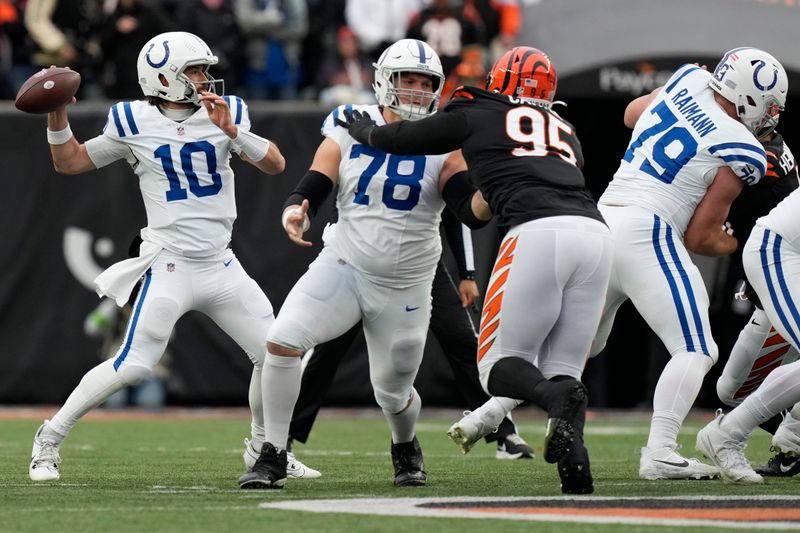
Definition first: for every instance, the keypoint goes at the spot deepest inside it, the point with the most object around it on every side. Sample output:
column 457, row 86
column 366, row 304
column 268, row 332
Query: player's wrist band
column 253, row 146
column 59, row 137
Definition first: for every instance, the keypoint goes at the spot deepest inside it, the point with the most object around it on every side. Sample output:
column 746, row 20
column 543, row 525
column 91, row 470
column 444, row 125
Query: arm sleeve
column 438, row 134
column 459, row 239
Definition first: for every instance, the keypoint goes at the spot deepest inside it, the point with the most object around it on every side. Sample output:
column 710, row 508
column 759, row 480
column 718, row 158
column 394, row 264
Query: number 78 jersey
column 389, row 207
column 678, row 143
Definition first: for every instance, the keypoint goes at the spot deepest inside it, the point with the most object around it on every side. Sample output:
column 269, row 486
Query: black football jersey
column 524, row 158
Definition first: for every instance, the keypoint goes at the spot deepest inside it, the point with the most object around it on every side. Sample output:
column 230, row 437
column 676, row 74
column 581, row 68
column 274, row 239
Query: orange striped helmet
column 524, row 72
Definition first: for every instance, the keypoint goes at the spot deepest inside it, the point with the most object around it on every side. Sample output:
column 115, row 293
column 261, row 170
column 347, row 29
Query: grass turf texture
column 179, row 474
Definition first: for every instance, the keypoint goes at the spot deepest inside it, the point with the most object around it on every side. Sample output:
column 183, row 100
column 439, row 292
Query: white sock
column 675, row 393
column 256, row 400
column 96, row 386
column 402, row 424
column 280, row 380
column 743, row 354
column 495, row 409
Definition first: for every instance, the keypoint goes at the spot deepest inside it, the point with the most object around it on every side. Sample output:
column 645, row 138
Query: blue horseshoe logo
column 166, row 56
column 762, row 64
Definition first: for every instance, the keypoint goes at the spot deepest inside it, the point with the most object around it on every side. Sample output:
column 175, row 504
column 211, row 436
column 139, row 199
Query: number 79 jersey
column 184, row 172
column 389, row 208
column 678, row 143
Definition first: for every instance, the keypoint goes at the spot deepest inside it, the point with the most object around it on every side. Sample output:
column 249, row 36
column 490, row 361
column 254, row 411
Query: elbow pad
column 314, row 187
column 457, row 194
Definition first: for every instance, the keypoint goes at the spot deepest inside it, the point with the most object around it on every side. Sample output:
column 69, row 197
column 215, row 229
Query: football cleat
column 269, row 470
column 409, row 470
column 561, row 420
column 667, row 463
column 295, row 469
column 575, row 472
column 472, row 427
column 727, row 453
column 780, row 465
column 513, row 447
column 45, row 459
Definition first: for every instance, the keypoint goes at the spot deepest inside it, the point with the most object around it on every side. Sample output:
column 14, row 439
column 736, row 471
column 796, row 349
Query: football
column 47, row 90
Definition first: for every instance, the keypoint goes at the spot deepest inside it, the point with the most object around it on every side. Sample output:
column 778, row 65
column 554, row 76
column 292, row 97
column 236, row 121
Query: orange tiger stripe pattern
column 524, row 72
column 490, row 320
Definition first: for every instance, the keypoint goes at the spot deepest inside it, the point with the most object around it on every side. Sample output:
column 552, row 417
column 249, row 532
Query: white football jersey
column 677, row 145
column 184, row 172
column 389, row 207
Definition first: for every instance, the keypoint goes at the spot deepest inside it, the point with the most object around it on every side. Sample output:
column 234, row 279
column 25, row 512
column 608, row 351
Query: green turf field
column 179, row 474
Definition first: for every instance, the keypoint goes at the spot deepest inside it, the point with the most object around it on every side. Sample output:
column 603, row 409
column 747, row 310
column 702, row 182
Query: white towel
column 118, row 280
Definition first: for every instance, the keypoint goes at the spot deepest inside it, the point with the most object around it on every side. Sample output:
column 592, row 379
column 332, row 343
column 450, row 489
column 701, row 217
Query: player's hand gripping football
column 219, row 112
column 358, row 124
column 295, row 223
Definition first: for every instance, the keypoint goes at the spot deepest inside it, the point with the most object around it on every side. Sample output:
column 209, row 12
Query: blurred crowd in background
column 268, row 49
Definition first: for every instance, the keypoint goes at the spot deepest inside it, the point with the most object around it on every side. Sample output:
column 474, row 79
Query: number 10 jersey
column 678, row 143
column 184, row 172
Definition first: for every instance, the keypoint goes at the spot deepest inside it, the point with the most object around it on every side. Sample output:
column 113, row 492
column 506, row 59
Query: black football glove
column 358, row 124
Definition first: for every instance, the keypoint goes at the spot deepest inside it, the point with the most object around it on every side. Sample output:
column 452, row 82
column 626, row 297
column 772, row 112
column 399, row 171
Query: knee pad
column 725, row 392
column 162, row 315
column 406, row 352
column 133, row 374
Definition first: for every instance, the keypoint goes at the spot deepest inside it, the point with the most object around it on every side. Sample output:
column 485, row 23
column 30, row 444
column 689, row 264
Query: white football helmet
column 756, row 83
column 408, row 55
column 168, row 55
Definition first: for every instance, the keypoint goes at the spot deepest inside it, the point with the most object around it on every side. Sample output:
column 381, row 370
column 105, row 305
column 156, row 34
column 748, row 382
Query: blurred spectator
column 499, row 22
column 127, row 27
column 65, row 32
column 346, row 75
column 324, row 18
column 470, row 72
column 274, row 30
column 379, row 23
column 214, row 22
column 15, row 63
column 443, row 27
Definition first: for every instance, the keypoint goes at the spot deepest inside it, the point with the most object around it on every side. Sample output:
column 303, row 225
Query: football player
column 693, row 149
column 771, row 259
column 547, row 287
column 377, row 264
column 760, row 348
column 179, row 143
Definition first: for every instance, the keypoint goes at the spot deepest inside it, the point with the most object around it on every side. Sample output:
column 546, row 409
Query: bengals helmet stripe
column 524, row 72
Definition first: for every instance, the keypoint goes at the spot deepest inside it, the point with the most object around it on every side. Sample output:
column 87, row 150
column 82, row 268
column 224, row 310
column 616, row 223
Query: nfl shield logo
column 170, row 267
column 181, row 131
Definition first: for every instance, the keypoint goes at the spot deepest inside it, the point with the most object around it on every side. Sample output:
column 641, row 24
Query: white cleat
column 667, row 463
column 727, row 453
column 297, row 470
column 294, row 468
column 44, row 458
column 470, row 429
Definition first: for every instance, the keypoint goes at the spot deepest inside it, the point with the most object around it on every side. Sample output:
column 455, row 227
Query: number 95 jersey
column 389, row 208
column 678, row 143
column 184, row 172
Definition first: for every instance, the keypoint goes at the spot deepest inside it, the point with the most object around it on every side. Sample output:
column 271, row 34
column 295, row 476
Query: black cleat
column 409, row 471
column 574, row 471
column 269, row 472
column 513, row 447
column 780, row 465
column 562, row 415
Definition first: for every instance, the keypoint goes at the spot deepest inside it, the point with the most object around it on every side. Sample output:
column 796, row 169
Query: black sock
column 514, row 377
